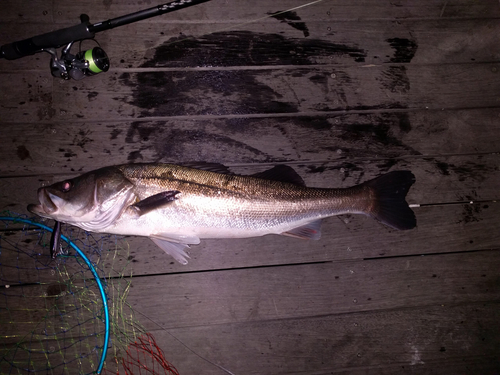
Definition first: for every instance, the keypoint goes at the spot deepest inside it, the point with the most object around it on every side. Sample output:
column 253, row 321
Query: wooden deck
column 341, row 90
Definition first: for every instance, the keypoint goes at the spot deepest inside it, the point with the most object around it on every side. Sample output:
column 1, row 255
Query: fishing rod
column 84, row 63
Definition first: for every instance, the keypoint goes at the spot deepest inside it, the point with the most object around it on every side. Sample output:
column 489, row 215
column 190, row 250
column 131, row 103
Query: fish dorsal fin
column 283, row 173
column 211, row 167
column 309, row 231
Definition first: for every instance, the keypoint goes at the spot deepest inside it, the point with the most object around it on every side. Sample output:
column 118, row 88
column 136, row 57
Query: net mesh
column 51, row 311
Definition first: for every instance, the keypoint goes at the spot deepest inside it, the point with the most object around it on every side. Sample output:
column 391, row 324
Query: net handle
column 91, row 268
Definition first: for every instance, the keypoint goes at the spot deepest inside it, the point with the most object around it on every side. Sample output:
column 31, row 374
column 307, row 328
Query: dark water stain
column 468, row 171
column 199, row 145
column 170, row 144
column 55, row 290
column 386, row 165
column 470, row 213
column 291, row 18
column 23, row 153
column 404, row 121
column 199, row 93
column 115, row 133
column 377, row 131
column 395, row 79
column 443, row 167
column 246, row 48
column 92, row 95
column 81, row 139
column 140, row 132
column 134, row 156
column 245, row 91
column 404, row 49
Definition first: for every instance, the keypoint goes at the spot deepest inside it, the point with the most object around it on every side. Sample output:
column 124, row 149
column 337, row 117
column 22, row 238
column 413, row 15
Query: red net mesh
column 143, row 356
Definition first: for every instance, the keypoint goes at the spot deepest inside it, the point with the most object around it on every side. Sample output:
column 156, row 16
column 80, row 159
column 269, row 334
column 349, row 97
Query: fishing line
column 305, row 5
column 187, row 347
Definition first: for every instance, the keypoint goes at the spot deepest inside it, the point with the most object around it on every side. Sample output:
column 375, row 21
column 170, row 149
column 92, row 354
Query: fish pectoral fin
column 309, row 231
column 174, row 244
column 153, row 202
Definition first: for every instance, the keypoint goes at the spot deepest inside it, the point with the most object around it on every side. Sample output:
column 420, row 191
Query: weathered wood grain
column 349, row 138
column 341, row 90
column 286, row 292
column 233, row 93
column 426, row 340
column 342, row 139
column 271, row 43
column 357, row 43
column 221, row 11
column 46, row 356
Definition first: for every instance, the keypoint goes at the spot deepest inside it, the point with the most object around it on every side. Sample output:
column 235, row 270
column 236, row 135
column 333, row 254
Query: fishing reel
column 83, row 64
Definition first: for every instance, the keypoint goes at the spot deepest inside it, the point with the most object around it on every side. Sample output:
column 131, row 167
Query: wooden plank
column 346, row 138
column 242, row 11
column 26, row 12
column 276, row 44
column 427, row 340
column 28, row 95
column 47, row 12
column 57, row 356
column 261, row 294
column 272, row 43
column 236, row 93
column 62, row 309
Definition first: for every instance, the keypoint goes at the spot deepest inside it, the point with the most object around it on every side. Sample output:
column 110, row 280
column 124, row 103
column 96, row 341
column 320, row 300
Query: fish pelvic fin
column 174, row 249
column 390, row 206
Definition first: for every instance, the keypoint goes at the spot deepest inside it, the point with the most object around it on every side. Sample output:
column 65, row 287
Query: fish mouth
column 46, row 206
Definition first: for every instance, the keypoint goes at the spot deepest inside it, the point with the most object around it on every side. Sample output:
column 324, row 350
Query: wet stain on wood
column 246, row 48
column 395, row 79
column 404, row 49
column 23, row 153
column 55, row 290
column 196, row 145
column 467, row 171
column 292, row 19
column 245, row 91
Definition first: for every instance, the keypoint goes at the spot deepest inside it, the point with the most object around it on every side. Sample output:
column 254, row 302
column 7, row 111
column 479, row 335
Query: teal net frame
column 94, row 273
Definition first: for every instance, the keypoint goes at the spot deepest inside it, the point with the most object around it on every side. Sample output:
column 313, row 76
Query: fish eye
column 66, row 186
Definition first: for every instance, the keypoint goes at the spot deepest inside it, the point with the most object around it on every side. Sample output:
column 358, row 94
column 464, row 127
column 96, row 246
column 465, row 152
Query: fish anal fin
column 309, row 231
column 155, row 201
column 283, row 173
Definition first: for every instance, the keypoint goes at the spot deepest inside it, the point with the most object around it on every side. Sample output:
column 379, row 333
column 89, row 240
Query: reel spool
column 83, row 64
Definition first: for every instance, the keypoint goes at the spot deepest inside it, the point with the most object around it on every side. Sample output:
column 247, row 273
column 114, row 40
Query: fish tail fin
column 390, row 206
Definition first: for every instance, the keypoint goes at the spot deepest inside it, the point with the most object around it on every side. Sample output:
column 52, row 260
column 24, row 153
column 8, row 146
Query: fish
column 179, row 205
